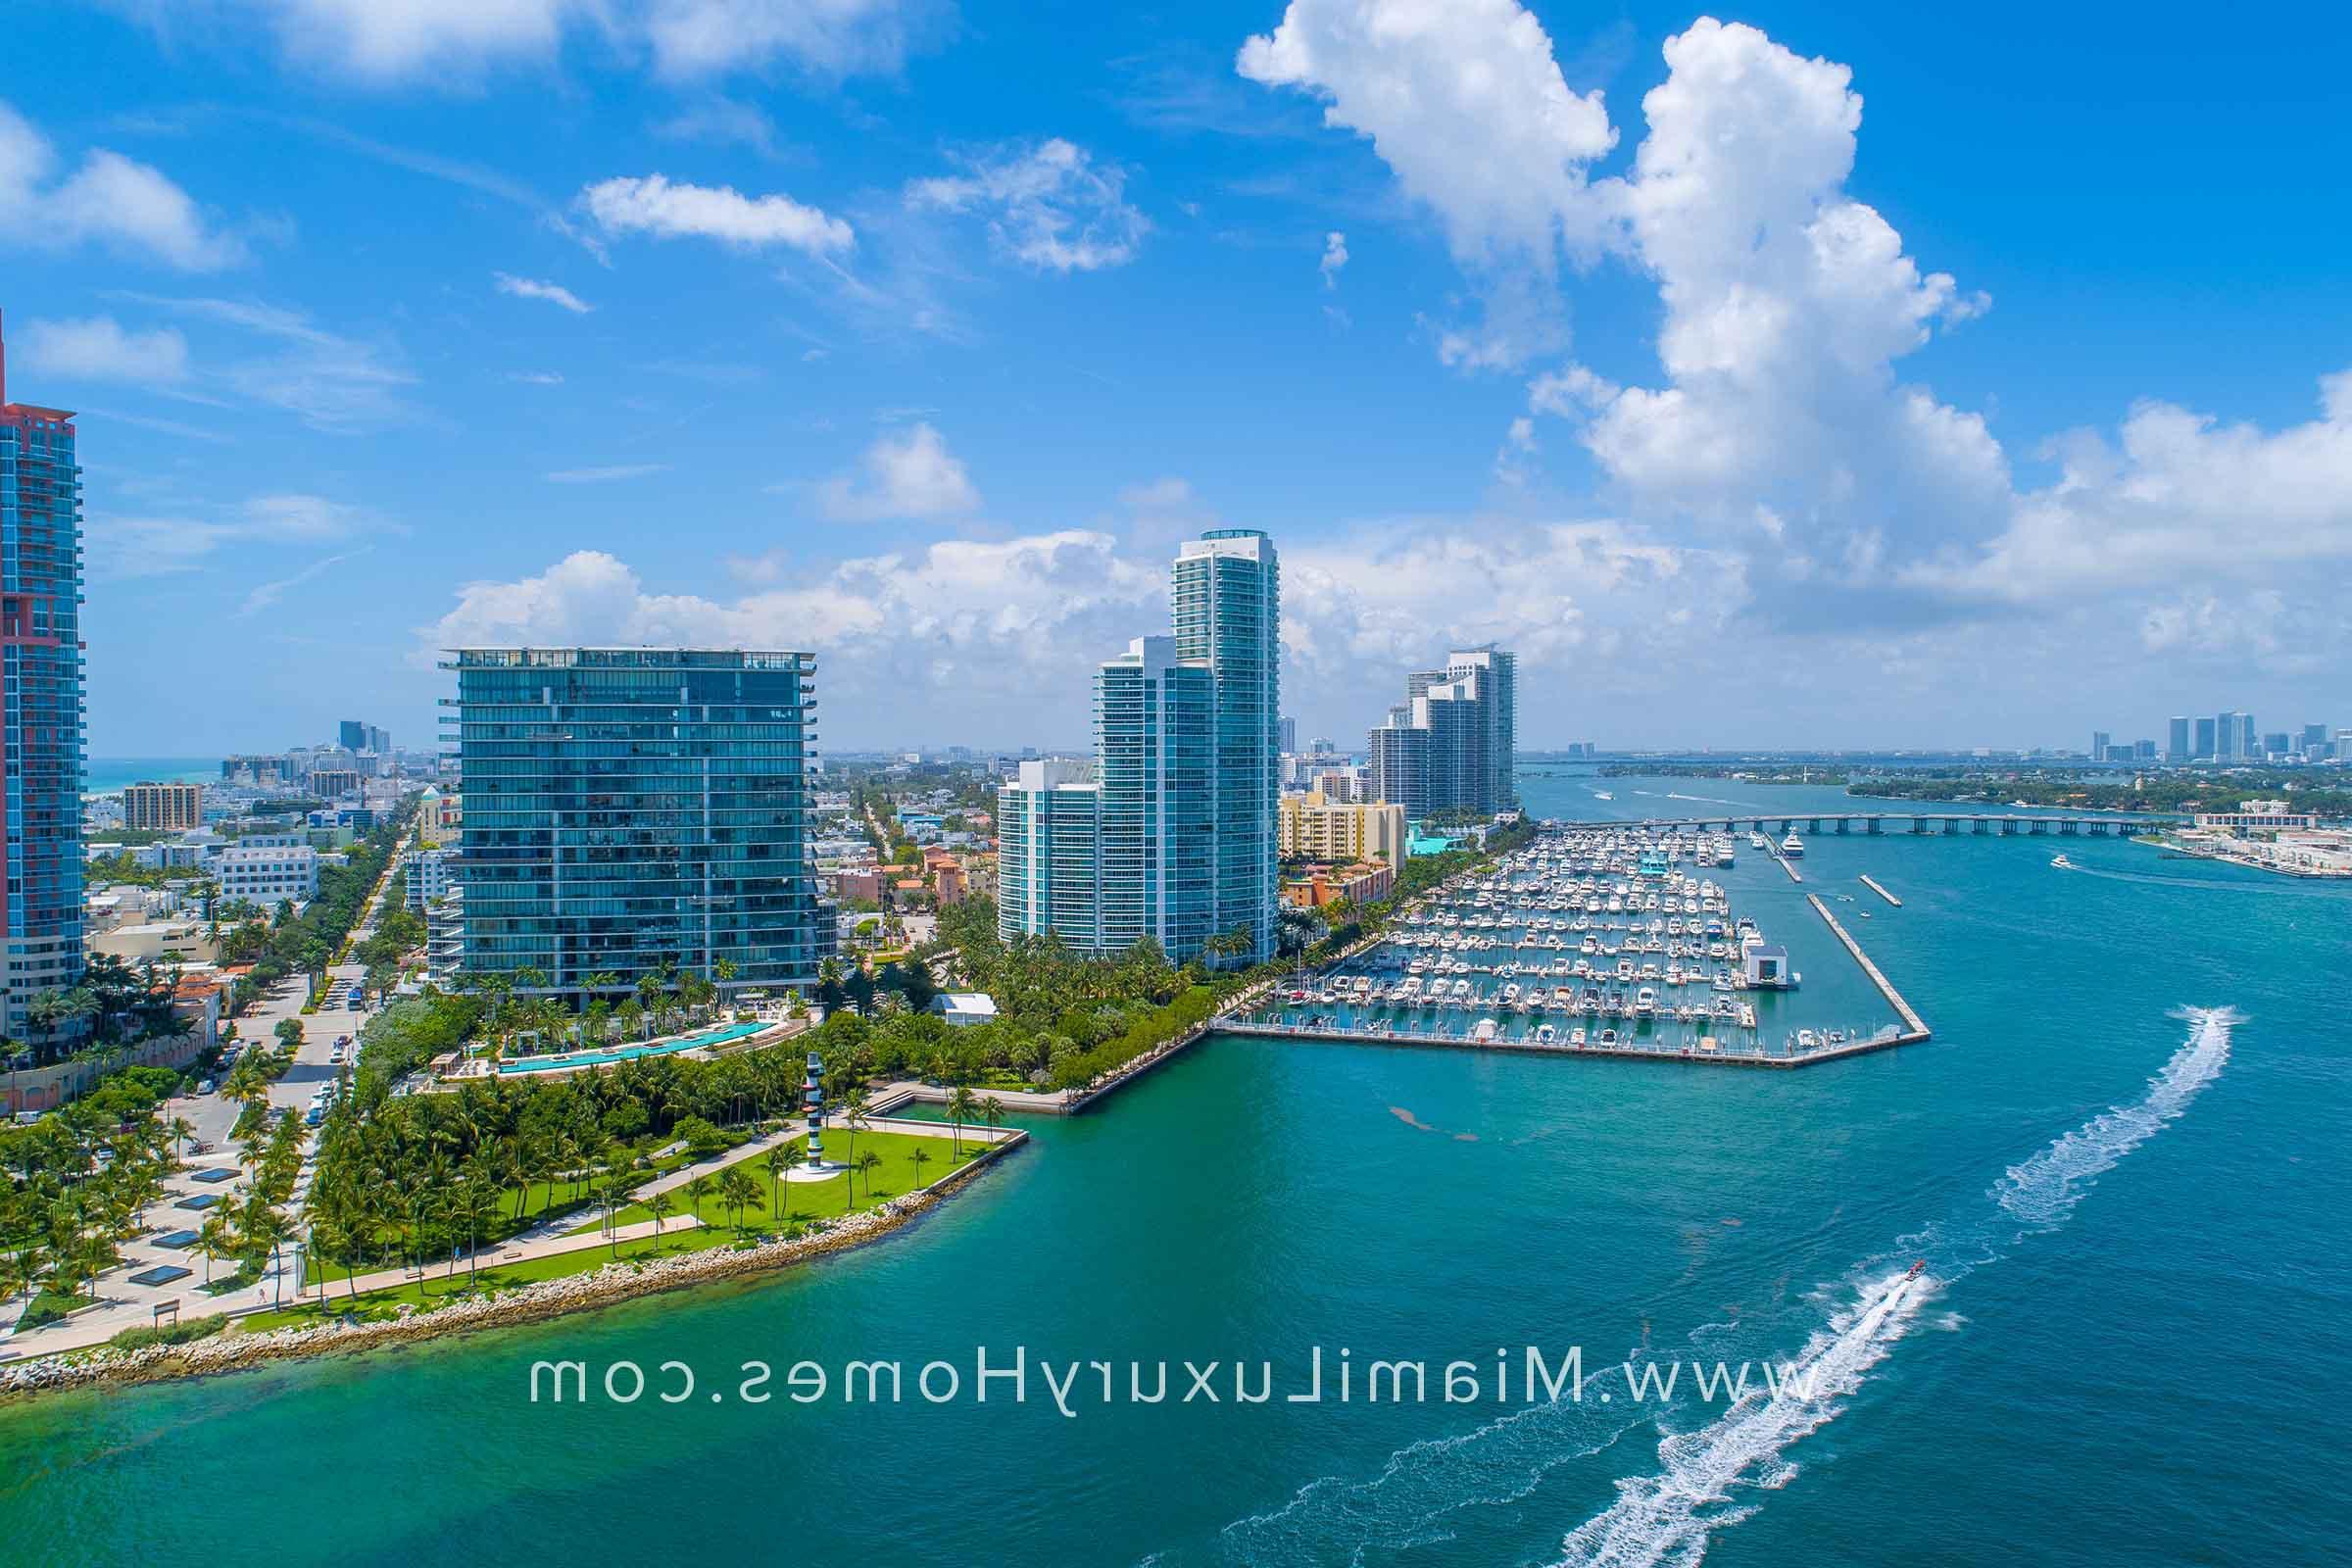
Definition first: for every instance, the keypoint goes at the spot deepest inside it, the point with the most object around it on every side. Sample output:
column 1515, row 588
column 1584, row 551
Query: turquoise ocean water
column 104, row 775
column 2132, row 1348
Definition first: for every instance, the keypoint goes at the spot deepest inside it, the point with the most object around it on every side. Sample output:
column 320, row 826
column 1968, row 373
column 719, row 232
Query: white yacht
column 1794, row 847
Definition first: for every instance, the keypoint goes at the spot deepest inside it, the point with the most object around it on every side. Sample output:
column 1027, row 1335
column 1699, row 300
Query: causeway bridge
column 1802, row 822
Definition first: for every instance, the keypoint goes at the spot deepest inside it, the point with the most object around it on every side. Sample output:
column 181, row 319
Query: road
column 129, row 1305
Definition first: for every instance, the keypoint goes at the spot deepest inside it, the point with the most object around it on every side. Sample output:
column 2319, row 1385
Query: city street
column 126, row 1305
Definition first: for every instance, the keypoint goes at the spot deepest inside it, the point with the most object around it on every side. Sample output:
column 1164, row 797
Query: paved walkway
column 124, row 1304
column 513, row 1251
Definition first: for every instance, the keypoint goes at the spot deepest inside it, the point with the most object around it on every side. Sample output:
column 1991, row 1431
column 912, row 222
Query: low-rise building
column 428, row 874
column 860, row 882
column 963, row 1008
column 1367, row 882
column 267, row 874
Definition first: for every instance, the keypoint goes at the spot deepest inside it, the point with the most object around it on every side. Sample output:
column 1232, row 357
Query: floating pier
column 1915, row 1028
column 1874, row 887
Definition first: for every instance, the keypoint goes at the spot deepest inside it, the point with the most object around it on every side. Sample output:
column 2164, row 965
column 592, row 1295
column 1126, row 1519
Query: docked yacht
column 1794, row 847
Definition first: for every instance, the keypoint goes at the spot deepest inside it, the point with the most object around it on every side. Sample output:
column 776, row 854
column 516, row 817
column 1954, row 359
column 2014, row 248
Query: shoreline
column 613, row 1281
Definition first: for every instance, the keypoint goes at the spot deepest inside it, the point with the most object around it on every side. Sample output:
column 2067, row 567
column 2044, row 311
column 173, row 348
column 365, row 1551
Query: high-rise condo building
column 1175, row 836
column 1227, row 609
column 352, row 735
column 2176, row 745
column 1290, row 737
column 163, row 807
column 2233, row 738
column 1449, row 745
column 2205, row 741
column 628, row 808
column 40, row 727
column 2099, row 742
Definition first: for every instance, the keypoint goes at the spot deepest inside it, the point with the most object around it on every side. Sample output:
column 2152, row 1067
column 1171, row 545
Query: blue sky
column 1879, row 380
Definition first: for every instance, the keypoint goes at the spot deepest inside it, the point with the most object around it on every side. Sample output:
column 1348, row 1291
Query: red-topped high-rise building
column 40, row 649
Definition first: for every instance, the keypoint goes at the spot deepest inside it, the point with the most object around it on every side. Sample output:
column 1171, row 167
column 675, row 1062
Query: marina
column 1595, row 940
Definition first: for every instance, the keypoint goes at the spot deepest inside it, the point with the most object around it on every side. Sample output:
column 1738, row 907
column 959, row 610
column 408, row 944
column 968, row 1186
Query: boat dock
column 1871, row 884
column 1915, row 1028
column 1789, row 867
column 1730, row 1054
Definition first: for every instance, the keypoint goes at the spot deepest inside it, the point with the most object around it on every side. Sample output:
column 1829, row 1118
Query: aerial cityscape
column 1359, row 788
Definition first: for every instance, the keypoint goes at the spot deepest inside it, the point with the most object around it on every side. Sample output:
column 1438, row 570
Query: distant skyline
column 1829, row 379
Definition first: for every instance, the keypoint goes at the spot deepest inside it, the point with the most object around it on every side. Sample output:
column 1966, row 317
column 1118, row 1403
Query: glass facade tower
column 1227, row 609
column 41, row 730
column 1449, row 746
column 628, row 808
column 1175, row 838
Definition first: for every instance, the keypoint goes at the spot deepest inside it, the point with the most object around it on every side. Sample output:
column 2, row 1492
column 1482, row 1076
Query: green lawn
column 541, row 1200
column 897, row 1174
column 802, row 1201
column 441, row 1285
column 719, row 1228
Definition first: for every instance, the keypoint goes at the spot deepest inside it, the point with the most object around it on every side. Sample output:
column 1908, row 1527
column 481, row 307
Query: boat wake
column 1667, row 1517
column 1415, row 1498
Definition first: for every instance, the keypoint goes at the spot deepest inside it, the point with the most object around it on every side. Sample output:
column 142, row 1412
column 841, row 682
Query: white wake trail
column 1667, row 1517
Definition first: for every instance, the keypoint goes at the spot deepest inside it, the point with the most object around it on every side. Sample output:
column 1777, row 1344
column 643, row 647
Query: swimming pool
column 568, row 1061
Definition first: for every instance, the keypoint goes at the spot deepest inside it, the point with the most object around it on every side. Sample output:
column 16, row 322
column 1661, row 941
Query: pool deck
column 570, row 1061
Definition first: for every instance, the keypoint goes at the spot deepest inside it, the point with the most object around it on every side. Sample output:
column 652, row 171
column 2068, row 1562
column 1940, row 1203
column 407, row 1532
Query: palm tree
column 698, row 1190
column 992, row 1112
column 921, row 1157
column 960, row 1109
column 738, row 1191
column 853, row 1112
column 181, row 1131
column 660, row 1205
column 215, row 1240
column 866, row 1164
column 777, row 1162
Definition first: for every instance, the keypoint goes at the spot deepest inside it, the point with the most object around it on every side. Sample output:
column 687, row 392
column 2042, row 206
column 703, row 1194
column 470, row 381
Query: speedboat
column 2061, row 863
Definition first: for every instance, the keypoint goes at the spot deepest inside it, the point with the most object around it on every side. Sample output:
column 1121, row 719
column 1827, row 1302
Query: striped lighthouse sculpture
column 813, row 1110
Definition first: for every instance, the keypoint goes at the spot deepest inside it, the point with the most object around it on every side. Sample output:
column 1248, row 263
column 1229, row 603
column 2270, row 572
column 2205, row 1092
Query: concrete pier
column 1874, row 887
column 1729, row 1054
column 1789, row 867
column 1915, row 1028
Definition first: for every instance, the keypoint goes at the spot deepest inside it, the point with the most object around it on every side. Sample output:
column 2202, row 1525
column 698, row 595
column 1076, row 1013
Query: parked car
column 205, row 1088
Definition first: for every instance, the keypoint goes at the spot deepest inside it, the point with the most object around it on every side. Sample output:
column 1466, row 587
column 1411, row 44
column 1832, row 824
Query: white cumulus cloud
column 530, row 288
column 383, row 42
column 655, row 205
column 1049, row 205
column 98, row 349
column 109, row 199
column 905, row 475
column 1335, row 257
column 975, row 633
